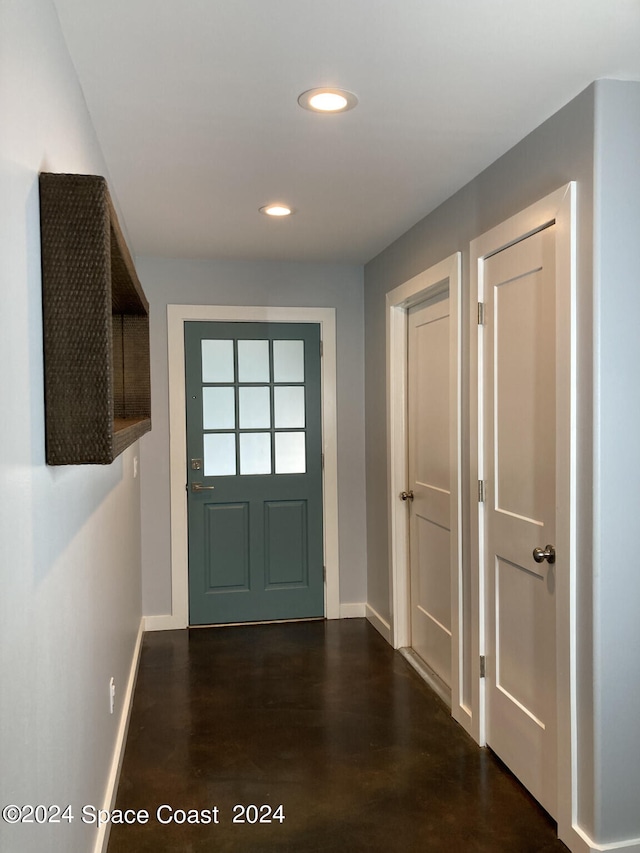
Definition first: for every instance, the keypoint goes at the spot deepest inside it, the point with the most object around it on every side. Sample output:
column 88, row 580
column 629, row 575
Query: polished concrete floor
column 323, row 719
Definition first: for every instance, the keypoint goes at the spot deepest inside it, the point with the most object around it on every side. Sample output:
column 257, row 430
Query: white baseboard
column 163, row 622
column 168, row 622
column 381, row 625
column 427, row 674
column 102, row 839
column 579, row 842
column 355, row 610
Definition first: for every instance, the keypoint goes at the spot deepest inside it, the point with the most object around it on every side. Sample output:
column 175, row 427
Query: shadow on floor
column 324, row 720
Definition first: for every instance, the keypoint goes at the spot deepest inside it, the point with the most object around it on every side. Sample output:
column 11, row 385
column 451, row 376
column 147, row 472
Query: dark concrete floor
column 325, row 719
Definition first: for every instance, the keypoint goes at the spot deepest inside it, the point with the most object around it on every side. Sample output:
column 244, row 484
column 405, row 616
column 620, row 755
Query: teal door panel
column 254, row 463
column 285, row 542
column 226, row 551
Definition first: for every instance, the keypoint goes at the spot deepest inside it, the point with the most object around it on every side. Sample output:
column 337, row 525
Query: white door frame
column 177, row 316
column 445, row 276
column 558, row 208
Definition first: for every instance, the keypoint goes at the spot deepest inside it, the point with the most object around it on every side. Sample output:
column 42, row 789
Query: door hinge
column 481, row 491
column 322, row 456
column 324, row 573
column 481, row 313
column 321, row 349
column 483, row 666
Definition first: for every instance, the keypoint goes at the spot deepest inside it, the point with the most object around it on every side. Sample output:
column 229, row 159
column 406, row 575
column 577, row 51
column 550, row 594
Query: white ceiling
column 195, row 106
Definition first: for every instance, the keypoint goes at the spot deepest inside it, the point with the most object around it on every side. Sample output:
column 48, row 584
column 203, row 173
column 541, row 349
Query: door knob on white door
column 548, row 554
column 406, row 496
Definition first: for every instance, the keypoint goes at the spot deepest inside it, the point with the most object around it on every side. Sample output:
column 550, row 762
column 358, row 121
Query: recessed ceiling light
column 326, row 100
column 276, row 210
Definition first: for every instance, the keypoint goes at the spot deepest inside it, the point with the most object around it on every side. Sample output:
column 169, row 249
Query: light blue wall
column 70, row 601
column 616, row 561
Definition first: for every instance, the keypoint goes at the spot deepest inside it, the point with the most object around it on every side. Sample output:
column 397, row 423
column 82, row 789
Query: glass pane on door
column 219, row 454
column 288, row 406
column 217, row 361
column 290, row 453
column 255, row 407
column 288, row 361
column 255, row 452
column 219, row 408
column 253, row 361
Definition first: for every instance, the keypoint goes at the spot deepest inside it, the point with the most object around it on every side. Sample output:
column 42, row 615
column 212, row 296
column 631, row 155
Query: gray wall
column 168, row 281
column 594, row 140
column 558, row 151
column 70, row 602
column 616, row 566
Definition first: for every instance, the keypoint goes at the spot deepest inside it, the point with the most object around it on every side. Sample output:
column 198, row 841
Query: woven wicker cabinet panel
column 96, row 326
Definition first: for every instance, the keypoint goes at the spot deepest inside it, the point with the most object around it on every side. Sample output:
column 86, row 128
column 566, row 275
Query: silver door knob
column 549, row 554
column 406, row 496
column 198, row 487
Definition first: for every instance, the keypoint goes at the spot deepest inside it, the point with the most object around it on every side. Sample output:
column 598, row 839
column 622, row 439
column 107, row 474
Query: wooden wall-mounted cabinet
column 96, row 326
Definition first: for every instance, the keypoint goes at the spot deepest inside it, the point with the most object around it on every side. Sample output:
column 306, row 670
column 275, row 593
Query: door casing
column 444, row 276
column 558, row 208
column 177, row 316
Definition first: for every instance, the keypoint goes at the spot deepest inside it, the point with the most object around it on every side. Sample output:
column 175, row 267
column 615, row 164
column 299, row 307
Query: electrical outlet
column 135, row 467
column 112, row 694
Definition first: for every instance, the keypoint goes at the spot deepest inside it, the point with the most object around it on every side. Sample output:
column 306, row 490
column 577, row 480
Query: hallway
column 323, row 718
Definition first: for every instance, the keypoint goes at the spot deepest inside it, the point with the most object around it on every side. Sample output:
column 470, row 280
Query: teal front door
column 254, row 463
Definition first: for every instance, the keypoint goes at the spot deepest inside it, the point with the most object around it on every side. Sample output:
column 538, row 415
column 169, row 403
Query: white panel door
column 430, row 483
column 520, row 449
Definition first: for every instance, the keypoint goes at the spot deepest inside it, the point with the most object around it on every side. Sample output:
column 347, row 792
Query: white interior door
column 520, row 500
column 429, row 437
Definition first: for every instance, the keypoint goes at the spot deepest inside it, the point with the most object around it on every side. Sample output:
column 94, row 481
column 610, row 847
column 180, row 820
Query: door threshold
column 266, row 622
column 427, row 674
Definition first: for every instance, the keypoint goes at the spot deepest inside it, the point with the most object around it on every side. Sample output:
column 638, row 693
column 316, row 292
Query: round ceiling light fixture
column 328, row 100
column 276, row 209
